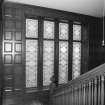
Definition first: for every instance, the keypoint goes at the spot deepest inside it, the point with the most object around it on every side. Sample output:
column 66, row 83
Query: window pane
column 32, row 28
column 76, row 61
column 48, row 61
column 63, row 62
column 63, row 31
column 31, row 63
column 76, row 32
column 49, row 29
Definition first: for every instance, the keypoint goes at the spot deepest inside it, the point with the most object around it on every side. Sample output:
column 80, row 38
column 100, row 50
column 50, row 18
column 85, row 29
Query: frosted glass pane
column 49, row 29
column 32, row 28
column 76, row 32
column 48, row 61
column 63, row 62
column 63, row 31
column 76, row 61
column 31, row 63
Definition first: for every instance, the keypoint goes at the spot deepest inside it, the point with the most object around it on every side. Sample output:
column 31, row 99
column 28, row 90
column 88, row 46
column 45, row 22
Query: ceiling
column 87, row 7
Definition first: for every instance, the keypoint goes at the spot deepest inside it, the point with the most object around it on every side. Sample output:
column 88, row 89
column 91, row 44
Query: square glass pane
column 63, row 62
column 18, row 59
column 76, row 60
column 18, row 47
column 48, row 61
column 8, row 36
column 7, row 47
column 18, row 36
column 63, row 31
column 49, row 29
column 32, row 28
column 7, row 59
column 77, row 32
column 31, row 63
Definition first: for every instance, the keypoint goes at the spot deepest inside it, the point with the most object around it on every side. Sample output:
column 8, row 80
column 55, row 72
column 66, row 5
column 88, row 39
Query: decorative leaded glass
column 48, row 61
column 31, row 63
column 32, row 28
column 76, row 32
column 63, row 62
column 7, row 59
column 76, row 60
column 49, row 29
column 8, row 47
column 63, row 31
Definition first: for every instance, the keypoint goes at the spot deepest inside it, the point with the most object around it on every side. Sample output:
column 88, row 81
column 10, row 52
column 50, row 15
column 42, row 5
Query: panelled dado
column 13, row 49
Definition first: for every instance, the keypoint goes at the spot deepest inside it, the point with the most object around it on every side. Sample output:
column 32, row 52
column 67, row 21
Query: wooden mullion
column 70, row 50
column 40, row 53
column 56, row 51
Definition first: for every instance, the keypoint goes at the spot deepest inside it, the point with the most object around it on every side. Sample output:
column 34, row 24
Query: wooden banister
column 87, row 89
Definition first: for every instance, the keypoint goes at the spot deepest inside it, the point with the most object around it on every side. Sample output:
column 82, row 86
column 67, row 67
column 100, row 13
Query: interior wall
column 96, row 50
column 14, row 22
column 78, row 6
column 1, row 89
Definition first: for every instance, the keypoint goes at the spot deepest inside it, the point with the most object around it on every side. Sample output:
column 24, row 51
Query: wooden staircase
column 88, row 89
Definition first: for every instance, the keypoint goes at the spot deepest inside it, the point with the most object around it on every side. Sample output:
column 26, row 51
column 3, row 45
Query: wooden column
column 95, row 91
column 84, row 94
column 79, row 103
column 89, row 93
column 102, row 90
column 99, row 91
column 92, row 97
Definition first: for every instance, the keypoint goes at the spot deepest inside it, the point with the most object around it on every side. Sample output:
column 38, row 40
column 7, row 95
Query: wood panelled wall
column 1, row 70
column 96, row 50
column 14, row 24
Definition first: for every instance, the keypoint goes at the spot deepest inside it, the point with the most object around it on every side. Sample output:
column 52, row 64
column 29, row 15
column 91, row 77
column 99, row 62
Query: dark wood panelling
column 85, row 48
column 96, row 50
column 13, row 57
column 14, row 23
column 32, row 11
column 41, row 97
column 1, row 65
column 31, row 98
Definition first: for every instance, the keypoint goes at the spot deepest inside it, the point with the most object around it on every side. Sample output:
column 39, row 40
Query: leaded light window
column 63, row 31
column 77, row 32
column 48, row 61
column 63, row 62
column 31, row 28
column 48, row 51
column 76, row 58
column 31, row 63
column 31, row 52
column 63, row 52
column 49, row 29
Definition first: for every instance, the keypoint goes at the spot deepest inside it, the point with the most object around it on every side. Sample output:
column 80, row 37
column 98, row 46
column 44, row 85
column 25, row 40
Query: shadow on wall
column 11, row 101
column 34, row 103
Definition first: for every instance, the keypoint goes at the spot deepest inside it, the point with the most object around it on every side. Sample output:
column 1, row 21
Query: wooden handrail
column 100, row 70
column 87, row 89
